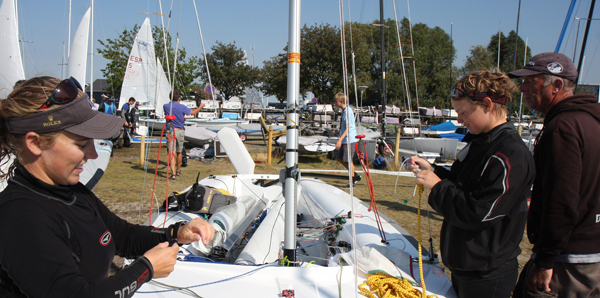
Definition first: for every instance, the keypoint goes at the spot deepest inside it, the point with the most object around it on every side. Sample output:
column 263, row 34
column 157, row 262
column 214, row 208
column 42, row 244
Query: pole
column 499, row 32
column 143, row 151
column 291, row 153
column 382, row 45
column 565, row 25
column 585, row 35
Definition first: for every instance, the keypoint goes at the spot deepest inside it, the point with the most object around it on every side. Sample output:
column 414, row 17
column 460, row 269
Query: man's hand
column 539, row 279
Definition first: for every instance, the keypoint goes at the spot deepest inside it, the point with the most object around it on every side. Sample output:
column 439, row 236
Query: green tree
column 321, row 68
column 273, row 77
column 480, row 59
column 507, row 51
column 229, row 71
column 432, row 53
column 117, row 52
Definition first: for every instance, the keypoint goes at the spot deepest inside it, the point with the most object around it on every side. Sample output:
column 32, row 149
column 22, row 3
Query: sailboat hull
column 260, row 275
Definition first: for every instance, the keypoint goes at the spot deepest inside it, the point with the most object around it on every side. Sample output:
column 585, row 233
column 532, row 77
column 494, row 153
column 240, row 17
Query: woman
column 58, row 238
column 483, row 197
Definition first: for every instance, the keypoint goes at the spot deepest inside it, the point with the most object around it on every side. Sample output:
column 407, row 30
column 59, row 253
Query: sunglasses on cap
column 458, row 94
column 65, row 92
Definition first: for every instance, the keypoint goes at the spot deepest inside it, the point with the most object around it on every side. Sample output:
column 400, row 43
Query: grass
column 126, row 187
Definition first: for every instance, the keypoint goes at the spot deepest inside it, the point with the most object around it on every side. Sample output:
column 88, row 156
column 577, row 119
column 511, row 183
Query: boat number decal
column 555, row 67
column 105, row 239
column 294, row 58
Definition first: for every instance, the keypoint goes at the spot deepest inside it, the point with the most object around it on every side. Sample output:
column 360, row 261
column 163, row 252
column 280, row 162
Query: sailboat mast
column 382, row 44
column 291, row 154
column 585, row 35
column 92, row 53
column 69, row 33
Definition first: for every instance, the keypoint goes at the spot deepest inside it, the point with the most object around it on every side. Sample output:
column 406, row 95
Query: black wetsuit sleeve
column 45, row 266
column 131, row 240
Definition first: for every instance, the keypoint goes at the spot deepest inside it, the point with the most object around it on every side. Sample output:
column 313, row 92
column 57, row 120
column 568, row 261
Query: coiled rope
column 387, row 286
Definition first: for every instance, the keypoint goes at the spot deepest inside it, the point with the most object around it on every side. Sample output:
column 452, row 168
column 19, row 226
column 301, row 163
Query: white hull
column 316, row 200
column 199, row 136
column 94, row 168
column 315, row 144
column 428, row 148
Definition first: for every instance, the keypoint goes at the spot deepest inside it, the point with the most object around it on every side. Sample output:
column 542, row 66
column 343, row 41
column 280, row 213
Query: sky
column 261, row 27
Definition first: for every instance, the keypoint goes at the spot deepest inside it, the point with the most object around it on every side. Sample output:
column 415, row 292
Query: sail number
column 133, row 59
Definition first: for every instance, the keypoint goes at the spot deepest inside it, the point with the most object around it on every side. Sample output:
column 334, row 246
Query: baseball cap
column 76, row 117
column 555, row 64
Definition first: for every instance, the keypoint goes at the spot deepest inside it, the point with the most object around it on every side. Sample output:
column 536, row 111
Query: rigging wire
column 212, row 89
column 348, row 119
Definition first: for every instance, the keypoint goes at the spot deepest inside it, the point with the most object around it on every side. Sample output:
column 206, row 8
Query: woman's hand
column 428, row 179
column 195, row 230
column 415, row 163
column 162, row 257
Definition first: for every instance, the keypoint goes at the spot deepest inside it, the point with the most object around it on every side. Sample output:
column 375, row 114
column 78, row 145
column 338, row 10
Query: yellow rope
column 387, row 286
column 420, row 191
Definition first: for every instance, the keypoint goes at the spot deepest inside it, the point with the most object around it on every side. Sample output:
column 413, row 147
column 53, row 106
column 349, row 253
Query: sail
column 140, row 75
column 163, row 90
column 79, row 47
column 10, row 51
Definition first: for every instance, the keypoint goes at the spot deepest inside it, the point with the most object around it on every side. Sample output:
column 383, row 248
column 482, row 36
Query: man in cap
column 564, row 215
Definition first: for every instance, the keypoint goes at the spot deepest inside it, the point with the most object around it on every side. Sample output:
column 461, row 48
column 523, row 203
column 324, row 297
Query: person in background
column 564, row 216
column 483, row 197
column 134, row 114
column 50, row 127
column 176, row 137
column 347, row 138
column 95, row 107
column 125, row 111
column 107, row 106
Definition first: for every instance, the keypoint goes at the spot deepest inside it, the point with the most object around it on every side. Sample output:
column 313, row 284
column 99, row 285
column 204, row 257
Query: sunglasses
column 65, row 92
column 458, row 94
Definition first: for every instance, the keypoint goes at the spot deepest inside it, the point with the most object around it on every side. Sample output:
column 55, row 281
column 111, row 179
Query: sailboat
column 10, row 51
column 10, row 55
column 286, row 235
column 145, row 79
column 77, row 65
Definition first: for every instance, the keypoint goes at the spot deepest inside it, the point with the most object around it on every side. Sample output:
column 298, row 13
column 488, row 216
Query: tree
column 273, row 76
column 117, row 52
column 480, row 59
column 507, row 51
column 229, row 70
column 321, row 71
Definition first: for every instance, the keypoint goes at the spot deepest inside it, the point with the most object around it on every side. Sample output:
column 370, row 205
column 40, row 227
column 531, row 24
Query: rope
column 156, row 173
column 421, row 189
column 387, row 286
column 373, row 205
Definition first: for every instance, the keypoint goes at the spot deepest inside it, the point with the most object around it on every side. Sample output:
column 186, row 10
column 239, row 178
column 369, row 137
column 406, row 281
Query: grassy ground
column 126, row 187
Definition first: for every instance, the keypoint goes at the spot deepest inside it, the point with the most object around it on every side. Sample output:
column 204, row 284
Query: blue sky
column 263, row 25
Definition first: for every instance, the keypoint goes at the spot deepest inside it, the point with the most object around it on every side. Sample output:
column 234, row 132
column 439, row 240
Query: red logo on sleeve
column 105, row 239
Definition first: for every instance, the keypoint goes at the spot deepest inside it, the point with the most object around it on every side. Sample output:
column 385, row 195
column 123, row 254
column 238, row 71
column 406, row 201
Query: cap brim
column 101, row 126
column 523, row 73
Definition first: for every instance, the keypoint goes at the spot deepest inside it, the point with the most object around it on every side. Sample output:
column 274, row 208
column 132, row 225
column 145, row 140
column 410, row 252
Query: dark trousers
column 472, row 287
column 568, row 280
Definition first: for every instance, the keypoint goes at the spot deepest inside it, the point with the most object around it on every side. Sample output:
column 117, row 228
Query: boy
column 342, row 143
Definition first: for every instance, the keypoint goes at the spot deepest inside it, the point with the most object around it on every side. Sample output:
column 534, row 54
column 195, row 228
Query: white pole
column 92, row 56
column 69, row 33
column 291, row 155
column 521, row 101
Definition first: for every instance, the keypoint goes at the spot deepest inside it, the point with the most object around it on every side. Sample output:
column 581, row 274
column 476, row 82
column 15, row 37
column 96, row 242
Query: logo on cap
column 555, row 67
column 51, row 122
